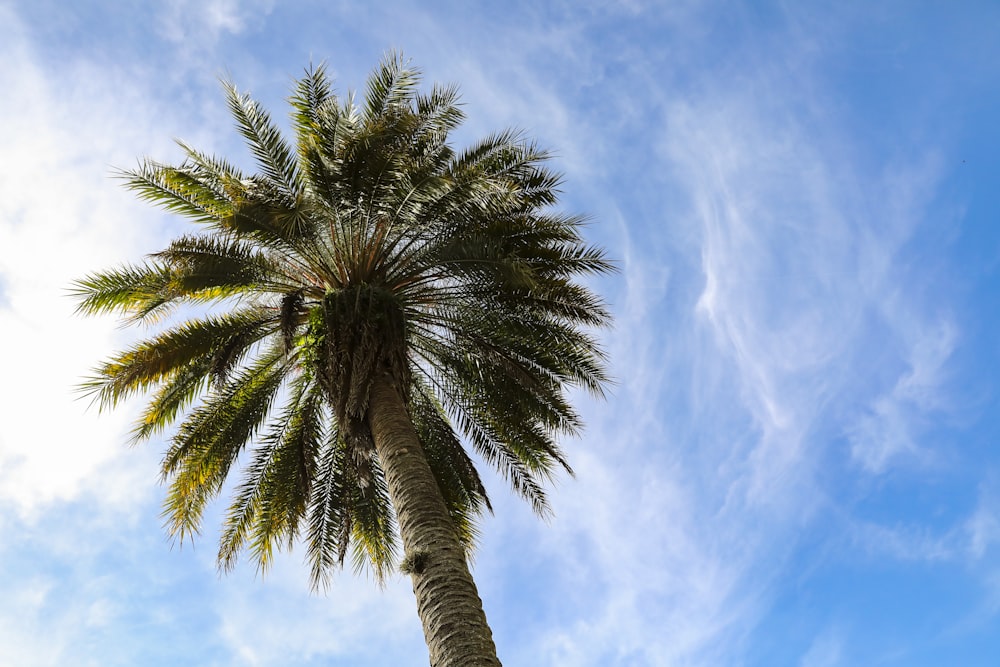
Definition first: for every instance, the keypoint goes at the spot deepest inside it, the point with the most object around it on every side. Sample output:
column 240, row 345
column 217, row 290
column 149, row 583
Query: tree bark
column 448, row 603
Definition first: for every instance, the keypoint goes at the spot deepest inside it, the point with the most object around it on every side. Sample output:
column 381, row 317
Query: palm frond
column 311, row 97
column 274, row 158
column 172, row 397
column 131, row 289
column 328, row 514
column 373, row 527
column 271, row 502
column 390, row 86
column 179, row 190
column 210, row 438
column 198, row 348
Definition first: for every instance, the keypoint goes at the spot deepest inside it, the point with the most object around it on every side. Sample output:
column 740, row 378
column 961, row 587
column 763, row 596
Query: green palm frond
column 270, row 503
column 373, row 526
column 274, row 158
column 171, row 398
column 189, row 271
column 311, row 99
column 132, row 290
column 438, row 114
column 208, row 441
column 391, row 87
column 211, row 345
column 181, row 190
column 329, row 523
column 229, row 264
column 224, row 178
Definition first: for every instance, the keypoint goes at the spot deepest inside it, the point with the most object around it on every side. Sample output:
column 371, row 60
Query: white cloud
column 825, row 650
column 205, row 21
column 20, row 643
column 271, row 621
column 983, row 526
column 892, row 424
column 905, row 543
column 970, row 541
column 61, row 216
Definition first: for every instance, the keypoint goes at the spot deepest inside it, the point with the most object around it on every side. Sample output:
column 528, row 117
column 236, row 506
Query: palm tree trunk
column 448, row 603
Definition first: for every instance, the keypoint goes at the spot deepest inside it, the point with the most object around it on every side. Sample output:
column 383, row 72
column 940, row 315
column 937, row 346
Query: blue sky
column 799, row 464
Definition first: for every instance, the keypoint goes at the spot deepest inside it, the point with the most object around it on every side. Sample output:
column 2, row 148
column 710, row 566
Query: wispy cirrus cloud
column 204, row 22
column 271, row 621
column 826, row 650
column 889, row 427
column 802, row 309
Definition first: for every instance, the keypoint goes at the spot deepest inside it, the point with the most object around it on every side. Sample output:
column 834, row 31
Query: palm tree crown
column 371, row 248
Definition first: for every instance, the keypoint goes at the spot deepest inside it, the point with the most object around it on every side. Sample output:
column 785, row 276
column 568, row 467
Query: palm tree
column 367, row 303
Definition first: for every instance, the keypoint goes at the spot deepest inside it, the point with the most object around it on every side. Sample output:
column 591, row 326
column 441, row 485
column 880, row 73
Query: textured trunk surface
column 447, row 600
